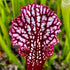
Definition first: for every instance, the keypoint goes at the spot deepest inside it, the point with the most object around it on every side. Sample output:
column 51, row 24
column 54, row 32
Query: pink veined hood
column 35, row 32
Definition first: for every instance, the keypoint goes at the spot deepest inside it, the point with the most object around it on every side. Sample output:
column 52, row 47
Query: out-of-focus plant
column 43, row 2
column 3, row 24
column 66, row 20
column 5, row 17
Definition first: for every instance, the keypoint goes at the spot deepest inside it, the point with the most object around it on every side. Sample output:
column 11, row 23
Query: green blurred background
column 9, row 56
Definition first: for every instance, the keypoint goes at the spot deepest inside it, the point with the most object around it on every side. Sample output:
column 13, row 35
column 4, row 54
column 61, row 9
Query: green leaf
column 43, row 2
column 15, row 7
column 50, row 3
column 6, row 5
column 5, row 32
column 22, row 3
column 58, row 8
column 23, row 61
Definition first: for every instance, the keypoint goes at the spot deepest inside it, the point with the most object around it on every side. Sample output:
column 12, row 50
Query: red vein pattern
column 35, row 32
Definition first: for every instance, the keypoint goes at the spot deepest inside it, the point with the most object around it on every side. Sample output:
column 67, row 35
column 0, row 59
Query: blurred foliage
column 61, row 8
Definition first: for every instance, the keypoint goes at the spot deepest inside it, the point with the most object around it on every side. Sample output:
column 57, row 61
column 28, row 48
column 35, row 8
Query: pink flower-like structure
column 35, row 32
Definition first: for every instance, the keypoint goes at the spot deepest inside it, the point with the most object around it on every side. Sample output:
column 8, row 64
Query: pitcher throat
column 34, row 67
